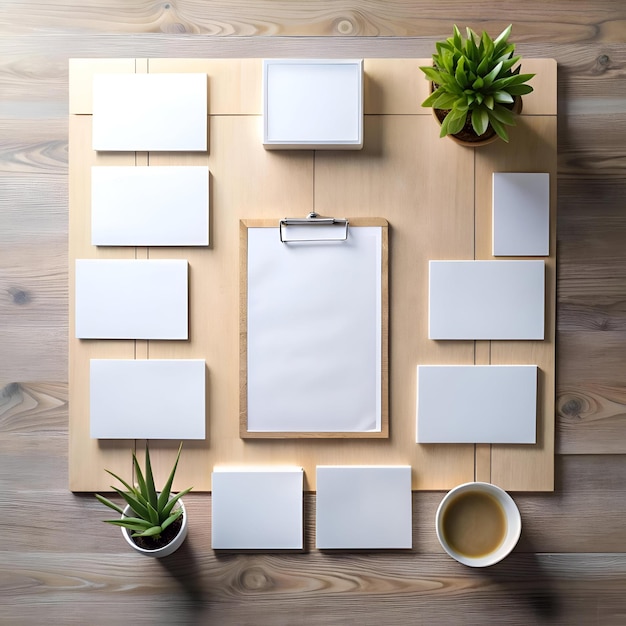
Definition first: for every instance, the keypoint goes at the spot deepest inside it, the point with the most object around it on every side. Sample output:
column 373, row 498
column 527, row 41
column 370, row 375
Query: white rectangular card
column 486, row 300
column 257, row 508
column 476, row 403
column 131, row 299
column 313, row 104
column 521, row 214
column 150, row 112
column 148, row 399
column 150, row 206
column 363, row 507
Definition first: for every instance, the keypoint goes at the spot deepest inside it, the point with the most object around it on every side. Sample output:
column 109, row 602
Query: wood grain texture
column 54, row 571
column 579, row 21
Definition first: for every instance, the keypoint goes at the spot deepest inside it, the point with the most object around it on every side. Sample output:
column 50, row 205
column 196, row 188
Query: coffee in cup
column 478, row 524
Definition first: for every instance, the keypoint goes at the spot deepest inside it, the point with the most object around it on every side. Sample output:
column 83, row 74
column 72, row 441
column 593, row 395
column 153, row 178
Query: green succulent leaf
column 453, row 122
column 172, row 518
column 128, row 487
column 150, row 532
column 124, row 523
column 520, row 90
column 133, row 502
column 165, row 492
column 150, row 488
column 108, row 503
column 457, row 39
column 502, row 114
column 170, row 505
column 153, row 515
column 503, row 97
column 432, row 74
column 488, row 80
column 445, row 100
column 500, row 130
column 504, row 35
column 139, row 477
column 480, row 121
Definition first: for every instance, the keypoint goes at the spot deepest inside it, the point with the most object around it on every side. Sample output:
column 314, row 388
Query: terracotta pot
column 165, row 550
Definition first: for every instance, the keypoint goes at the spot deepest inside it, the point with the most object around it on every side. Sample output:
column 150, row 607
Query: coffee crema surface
column 474, row 524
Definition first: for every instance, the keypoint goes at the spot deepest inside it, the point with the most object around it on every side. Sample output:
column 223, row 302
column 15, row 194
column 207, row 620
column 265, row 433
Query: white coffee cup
column 457, row 502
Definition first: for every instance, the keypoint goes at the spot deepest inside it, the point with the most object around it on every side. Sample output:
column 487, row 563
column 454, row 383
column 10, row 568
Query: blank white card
column 486, row 300
column 363, row 507
column 476, row 403
column 131, row 299
column 257, row 509
column 521, row 214
column 147, row 399
column 146, row 112
column 150, row 206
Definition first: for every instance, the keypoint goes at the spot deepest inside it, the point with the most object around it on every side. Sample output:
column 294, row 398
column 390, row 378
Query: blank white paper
column 257, row 508
column 150, row 112
column 150, row 206
column 314, row 333
column 476, row 403
column 312, row 103
column 147, row 399
column 363, row 507
column 486, row 300
column 131, row 299
column 521, row 214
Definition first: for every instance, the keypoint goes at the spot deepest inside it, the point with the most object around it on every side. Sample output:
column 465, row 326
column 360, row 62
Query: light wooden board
column 436, row 197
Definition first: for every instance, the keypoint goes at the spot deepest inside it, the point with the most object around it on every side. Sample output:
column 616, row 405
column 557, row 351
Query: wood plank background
column 60, row 565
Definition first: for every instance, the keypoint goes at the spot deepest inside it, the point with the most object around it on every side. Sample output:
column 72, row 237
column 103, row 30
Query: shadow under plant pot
column 467, row 136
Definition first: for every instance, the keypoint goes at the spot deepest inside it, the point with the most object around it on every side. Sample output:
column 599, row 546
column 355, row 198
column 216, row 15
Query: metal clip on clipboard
column 313, row 219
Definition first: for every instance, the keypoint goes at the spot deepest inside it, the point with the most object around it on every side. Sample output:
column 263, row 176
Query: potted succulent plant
column 153, row 523
column 476, row 86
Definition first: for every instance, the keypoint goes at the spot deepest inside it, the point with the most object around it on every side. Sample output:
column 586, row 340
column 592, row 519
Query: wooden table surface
column 60, row 565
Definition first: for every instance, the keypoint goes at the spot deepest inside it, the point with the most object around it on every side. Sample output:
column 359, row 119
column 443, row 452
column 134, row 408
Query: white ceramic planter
column 165, row 550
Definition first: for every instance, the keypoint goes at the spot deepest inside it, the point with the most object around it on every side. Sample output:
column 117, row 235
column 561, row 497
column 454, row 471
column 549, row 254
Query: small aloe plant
column 474, row 77
column 154, row 511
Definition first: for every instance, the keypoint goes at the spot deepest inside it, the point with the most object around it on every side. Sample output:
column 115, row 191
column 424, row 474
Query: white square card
column 476, row 403
column 521, row 214
column 150, row 112
column 150, row 206
column 131, row 299
column 147, row 399
column 257, row 508
column 360, row 507
column 486, row 300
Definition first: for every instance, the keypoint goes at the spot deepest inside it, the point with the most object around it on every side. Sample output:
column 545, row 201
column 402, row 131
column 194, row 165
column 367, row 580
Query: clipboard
column 314, row 323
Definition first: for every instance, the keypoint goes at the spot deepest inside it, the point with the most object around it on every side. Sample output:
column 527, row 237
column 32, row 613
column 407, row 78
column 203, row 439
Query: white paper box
column 257, row 508
column 476, row 403
column 131, row 299
column 150, row 112
column 150, row 206
column 521, row 214
column 363, row 507
column 486, row 300
column 313, row 104
column 147, row 399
